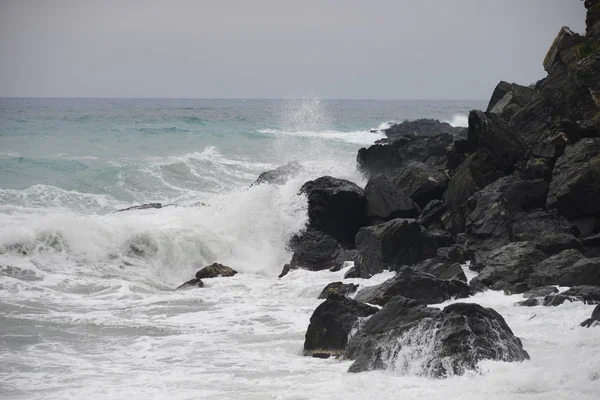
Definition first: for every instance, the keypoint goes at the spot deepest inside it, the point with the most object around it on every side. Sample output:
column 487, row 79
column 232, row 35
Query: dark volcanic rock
column 414, row 284
column 540, row 292
column 575, row 186
column 338, row 288
column 567, row 268
column 511, row 264
column 555, row 300
column 594, row 320
column 589, row 294
column 490, row 131
column 421, row 182
column 215, row 270
column 279, row 175
column 330, row 325
column 531, row 302
column 335, row 207
column 385, row 202
column 393, row 244
column 353, row 272
column 441, row 268
column 457, row 338
column 316, row 251
column 191, row 284
column 509, row 98
column 422, row 127
column 476, row 172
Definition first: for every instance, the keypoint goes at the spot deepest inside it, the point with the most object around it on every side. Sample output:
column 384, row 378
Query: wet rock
column 385, row 202
column 421, row 182
column 335, row 207
column 279, row 175
column 142, row 245
column 393, row 244
column 316, row 251
column 476, row 286
column 441, row 268
column 589, row 294
column 594, row 320
column 531, row 302
column 353, row 272
column 338, row 288
column 555, row 300
column 331, row 324
column 142, row 207
column 567, row 268
column 414, row 284
column 540, row 292
column 512, row 263
column 457, row 338
column 191, row 284
column 575, row 186
column 215, row 270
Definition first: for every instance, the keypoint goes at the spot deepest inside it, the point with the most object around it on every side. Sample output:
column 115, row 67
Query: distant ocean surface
column 85, row 316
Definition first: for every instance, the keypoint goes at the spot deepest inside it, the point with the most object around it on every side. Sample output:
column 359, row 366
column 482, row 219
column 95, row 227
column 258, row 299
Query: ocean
column 87, row 301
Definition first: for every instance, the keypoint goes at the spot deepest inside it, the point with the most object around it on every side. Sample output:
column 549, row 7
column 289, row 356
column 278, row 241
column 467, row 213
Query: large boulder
column 568, row 268
column 575, row 186
column 330, row 325
column 279, row 175
column 215, row 270
column 421, row 182
column 335, row 207
column 410, row 338
column 394, row 244
column 316, row 251
column 488, row 130
column 385, row 202
column 414, row 284
column 510, row 264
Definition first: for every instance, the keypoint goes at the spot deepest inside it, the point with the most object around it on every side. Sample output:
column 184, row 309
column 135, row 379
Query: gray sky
column 382, row 49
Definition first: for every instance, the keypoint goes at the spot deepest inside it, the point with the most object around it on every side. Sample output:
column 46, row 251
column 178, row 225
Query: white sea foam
column 459, row 120
column 354, row 137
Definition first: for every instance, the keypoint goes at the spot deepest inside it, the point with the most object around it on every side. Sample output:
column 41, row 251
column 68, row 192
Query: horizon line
column 228, row 98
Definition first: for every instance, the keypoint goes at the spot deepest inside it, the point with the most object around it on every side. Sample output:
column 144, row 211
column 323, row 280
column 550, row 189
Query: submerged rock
column 215, row 270
column 191, row 284
column 408, row 337
column 338, row 288
column 142, row 207
column 336, row 207
column 594, row 320
column 331, row 324
column 410, row 283
column 279, row 175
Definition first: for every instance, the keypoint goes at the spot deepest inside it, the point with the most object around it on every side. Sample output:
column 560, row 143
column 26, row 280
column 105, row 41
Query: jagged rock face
column 335, row 207
column 385, row 202
column 421, row 127
column 215, row 270
column 279, row 175
column 476, row 172
column 331, row 324
column 410, row 338
column 564, row 269
column 575, row 186
column 393, row 244
column 509, row 264
column 490, row 131
column 423, row 183
column 386, row 158
column 509, row 98
column 414, row 284
column 316, row 251
column 441, row 268
column 338, row 288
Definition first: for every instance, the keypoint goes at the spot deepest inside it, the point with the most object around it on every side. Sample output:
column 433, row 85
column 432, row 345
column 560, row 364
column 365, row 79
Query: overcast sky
column 379, row 49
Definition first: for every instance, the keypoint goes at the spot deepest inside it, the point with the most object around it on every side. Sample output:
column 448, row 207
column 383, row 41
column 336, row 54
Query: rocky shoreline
column 516, row 195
